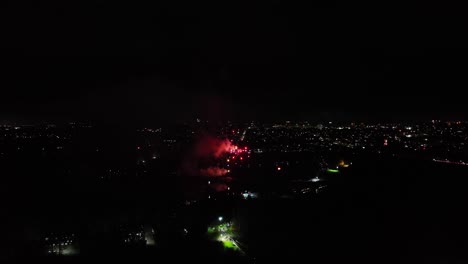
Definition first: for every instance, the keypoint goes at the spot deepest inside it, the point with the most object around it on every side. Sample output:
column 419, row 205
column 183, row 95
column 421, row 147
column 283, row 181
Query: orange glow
column 343, row 164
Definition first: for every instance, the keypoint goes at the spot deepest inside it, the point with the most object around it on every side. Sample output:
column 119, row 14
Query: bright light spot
column 220, row 218
column 343, row 164
column 279, row 168
column 241, row 158
column 69, row 250
column 228, row 160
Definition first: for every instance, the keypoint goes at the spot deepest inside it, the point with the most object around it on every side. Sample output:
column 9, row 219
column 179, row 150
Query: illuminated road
column 451, row 162
column 224, row 233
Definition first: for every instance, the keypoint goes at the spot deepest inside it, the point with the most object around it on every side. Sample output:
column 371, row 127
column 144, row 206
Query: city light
column 181, row 163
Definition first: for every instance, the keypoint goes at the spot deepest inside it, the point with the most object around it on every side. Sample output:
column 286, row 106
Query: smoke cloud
column 213, row 147
column 205, row 149
column 213, row 172
column 219, row 187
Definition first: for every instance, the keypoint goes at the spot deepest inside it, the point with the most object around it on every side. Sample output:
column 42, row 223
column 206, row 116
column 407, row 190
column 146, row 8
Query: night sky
column 233, row 60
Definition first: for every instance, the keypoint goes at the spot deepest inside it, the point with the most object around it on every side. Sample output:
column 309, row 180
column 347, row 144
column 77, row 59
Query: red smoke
column 219, row 187
column 213, row 172
column 205, row 149
column 213, row 147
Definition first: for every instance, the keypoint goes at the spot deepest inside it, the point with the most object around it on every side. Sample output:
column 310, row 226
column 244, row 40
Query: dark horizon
column 323, row 119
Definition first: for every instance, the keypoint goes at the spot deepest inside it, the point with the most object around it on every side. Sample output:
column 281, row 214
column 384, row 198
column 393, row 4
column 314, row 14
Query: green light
column 229, row 244
column 332, row 170
column 211, row 230
column 224, row 233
